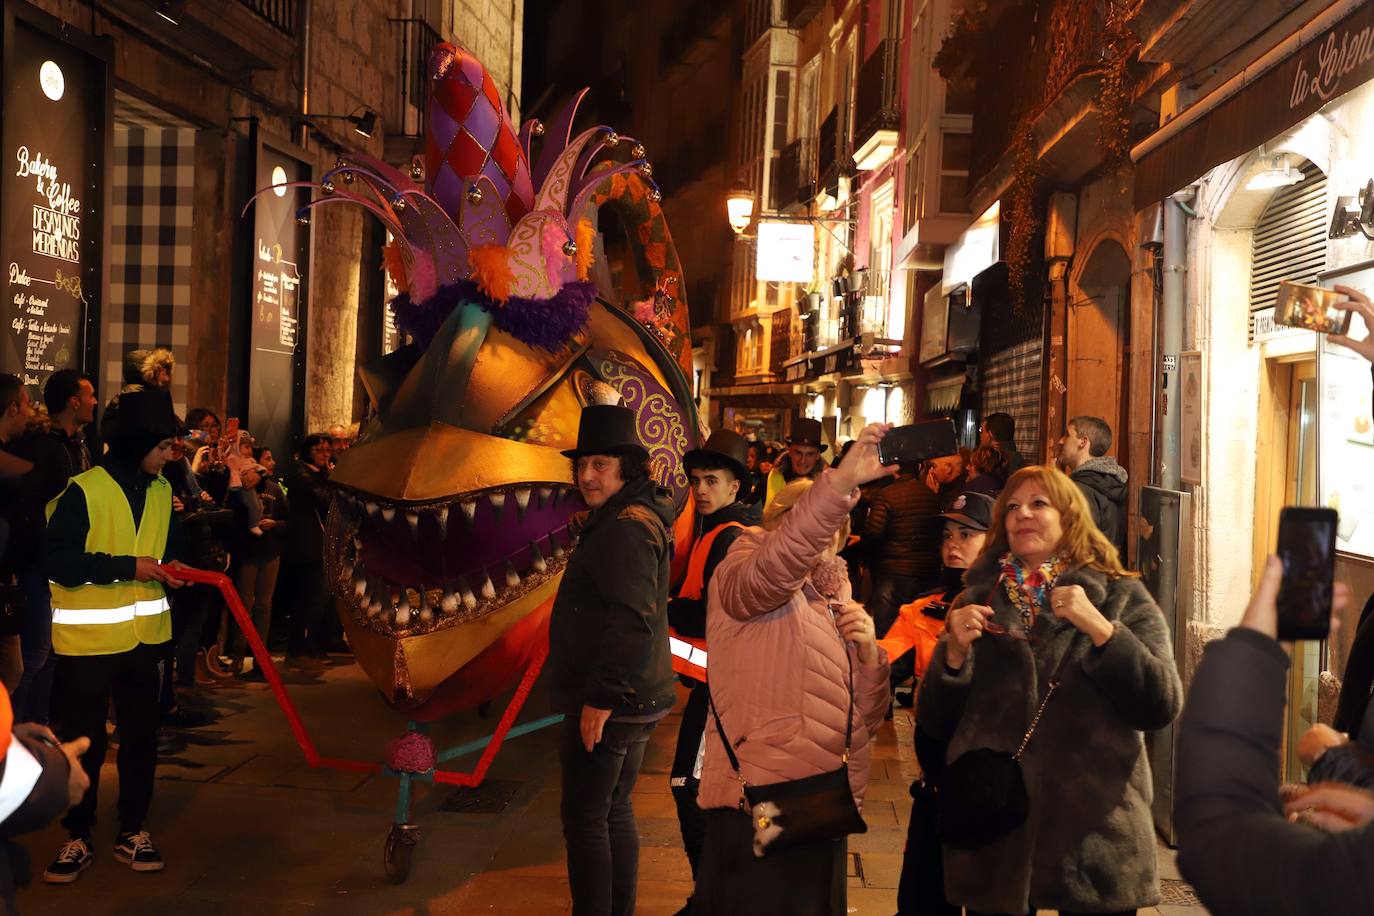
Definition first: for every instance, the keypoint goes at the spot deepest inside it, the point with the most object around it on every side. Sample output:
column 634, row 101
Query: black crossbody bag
column 982, row 797
column 800, row 811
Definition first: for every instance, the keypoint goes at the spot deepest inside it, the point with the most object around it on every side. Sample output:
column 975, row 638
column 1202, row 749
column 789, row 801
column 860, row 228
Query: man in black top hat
column 718, row 472
column 803, row 458
column 608, row 655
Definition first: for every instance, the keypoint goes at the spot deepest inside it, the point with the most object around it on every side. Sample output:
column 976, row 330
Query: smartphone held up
column 1307, row 548
column 918, row 442
column 1301, row 305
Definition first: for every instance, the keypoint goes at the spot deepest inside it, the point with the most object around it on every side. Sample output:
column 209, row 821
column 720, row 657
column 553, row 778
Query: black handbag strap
column 848, row 727
column 1055, row 680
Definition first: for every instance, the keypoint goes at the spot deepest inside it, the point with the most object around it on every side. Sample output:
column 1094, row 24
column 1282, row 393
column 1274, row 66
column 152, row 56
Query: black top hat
column 807, row 432
column 724, row 446
column 607, row 429
column 972, row 510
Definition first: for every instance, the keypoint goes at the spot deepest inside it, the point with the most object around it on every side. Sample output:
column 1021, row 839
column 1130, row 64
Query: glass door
column 1300, row 489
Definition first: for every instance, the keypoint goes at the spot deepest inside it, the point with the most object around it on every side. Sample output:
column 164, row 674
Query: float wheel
column 400, row 847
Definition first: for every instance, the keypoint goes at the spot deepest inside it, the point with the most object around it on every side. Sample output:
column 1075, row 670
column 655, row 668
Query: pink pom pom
column 413, row 752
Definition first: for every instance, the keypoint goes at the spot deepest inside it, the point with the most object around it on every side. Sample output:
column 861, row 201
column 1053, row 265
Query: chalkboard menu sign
column 280, row 256
column 55, row 113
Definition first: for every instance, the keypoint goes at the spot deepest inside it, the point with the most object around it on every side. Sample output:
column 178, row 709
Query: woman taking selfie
column 794, row 668
column 1048, row 603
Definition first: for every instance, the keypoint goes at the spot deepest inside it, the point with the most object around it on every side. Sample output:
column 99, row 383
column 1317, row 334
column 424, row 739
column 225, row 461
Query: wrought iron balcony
column 876, row 115
column 279, row 14
column 828, row 148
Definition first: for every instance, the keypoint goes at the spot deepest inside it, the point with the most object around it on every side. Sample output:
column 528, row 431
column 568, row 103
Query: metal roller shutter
column 1290, row 238
column 1011, row 384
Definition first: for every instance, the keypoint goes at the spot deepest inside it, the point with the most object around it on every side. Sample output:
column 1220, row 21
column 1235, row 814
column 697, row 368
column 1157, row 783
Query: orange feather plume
column 491, row 270
column 586, row 241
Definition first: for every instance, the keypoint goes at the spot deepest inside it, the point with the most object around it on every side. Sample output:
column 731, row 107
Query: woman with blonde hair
column 798, row 686
column 1054, row 661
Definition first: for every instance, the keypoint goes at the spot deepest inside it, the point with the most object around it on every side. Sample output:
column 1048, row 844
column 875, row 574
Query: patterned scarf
column 1029, row 593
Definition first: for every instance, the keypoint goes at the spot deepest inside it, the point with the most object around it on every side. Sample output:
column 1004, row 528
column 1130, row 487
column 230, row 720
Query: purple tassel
column 545, row 323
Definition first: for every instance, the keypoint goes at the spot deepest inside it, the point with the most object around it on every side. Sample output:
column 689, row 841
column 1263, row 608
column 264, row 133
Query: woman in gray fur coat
column 1088, row 843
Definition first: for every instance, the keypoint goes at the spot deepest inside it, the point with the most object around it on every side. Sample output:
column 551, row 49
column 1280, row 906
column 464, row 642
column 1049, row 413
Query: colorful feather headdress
column 487, row 226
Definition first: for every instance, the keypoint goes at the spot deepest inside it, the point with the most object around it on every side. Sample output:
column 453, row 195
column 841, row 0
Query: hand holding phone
column 1307, row 550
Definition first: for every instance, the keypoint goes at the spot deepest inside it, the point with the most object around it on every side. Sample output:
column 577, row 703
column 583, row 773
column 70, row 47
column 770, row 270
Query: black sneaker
column 72, row 859
column 138, row 852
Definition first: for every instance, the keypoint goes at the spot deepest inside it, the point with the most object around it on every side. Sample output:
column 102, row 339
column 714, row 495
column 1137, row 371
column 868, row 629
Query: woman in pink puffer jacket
column 778, row 678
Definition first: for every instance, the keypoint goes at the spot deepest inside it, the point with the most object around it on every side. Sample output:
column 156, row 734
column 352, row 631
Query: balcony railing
column 828, row 147
column 801, row 12
column 280, row 14
column 785, row 190
column 875, row 101
column 417, row 40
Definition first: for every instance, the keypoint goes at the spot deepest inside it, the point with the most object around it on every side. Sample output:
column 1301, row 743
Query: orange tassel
column 394, row 263
column 586, row 240
column 492, row 272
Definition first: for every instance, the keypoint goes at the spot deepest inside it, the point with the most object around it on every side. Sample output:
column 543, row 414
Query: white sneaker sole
column 50, row 878
column 138, row 866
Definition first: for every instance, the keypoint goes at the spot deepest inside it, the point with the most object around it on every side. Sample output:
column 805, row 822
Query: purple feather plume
column 545, row 323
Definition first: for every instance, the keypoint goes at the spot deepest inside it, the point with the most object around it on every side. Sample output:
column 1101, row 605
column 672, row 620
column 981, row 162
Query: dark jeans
column 805, row 880
column 307, row 602
column 33, row 698
column 921, row 888
column 682, row 782
column 82, row 690
column 598, row 820
column 191, row 618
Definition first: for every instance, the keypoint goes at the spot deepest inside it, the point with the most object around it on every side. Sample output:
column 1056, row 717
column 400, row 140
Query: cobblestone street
column 248, row 828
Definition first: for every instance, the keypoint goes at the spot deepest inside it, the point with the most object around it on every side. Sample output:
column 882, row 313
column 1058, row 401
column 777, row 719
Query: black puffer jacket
column 1103, row 481
column 903, row 530
column 608, row 637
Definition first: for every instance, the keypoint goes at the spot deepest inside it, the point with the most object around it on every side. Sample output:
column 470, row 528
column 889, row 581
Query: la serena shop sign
column 1322, row 73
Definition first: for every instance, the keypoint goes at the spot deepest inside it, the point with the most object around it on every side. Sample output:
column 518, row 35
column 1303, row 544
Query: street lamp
column 739, row 205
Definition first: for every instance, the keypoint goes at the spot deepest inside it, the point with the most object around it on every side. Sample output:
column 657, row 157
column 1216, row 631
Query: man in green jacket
column 109, row 532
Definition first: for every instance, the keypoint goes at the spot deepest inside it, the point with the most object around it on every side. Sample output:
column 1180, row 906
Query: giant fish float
column 449, row 529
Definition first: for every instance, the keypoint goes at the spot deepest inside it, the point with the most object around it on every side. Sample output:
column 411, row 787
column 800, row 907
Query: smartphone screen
column 1307, row 547
column 1301, row 305
column 917, row 442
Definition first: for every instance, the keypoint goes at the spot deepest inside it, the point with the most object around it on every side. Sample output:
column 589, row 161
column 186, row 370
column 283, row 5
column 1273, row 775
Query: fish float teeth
column 449, row 602
column 497, row 500
column 545, row 496
column 388, row 513
column 488, row 590
column 359, row 587
column 512, row 577
column 537, row 558
column 370, row 508
column 470, row 508
column 442, row 518
column 522, row 497
column 403, row 614
column 374, row 608
column 556, row 548
column 413, row 520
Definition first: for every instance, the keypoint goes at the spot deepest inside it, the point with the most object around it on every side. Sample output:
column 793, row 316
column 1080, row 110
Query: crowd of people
column 95, row 522
column 1037, row 663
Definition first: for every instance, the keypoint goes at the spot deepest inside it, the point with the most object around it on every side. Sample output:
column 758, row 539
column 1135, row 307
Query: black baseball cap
column 972, row 510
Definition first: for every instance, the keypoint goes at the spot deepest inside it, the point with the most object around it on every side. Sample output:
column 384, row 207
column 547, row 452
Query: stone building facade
column 293, row 70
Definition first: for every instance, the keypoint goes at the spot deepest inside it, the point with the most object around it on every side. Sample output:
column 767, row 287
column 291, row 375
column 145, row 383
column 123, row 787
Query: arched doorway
column 1098, row 332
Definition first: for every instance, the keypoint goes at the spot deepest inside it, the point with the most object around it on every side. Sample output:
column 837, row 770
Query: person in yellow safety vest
column 910, row 642
column 108, row 533
column 803, row 458
column 717, row 472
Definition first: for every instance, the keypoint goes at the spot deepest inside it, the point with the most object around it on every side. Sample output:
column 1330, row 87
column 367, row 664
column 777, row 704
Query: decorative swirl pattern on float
column 659, row 418
column 553, row 194
column 534, row 278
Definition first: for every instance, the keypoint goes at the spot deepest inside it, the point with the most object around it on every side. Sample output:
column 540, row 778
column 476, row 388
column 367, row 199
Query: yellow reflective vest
column 108, row 619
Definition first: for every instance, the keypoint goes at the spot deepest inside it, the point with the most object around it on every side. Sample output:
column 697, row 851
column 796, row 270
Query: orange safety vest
column 689, row 653
column 694, row 583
